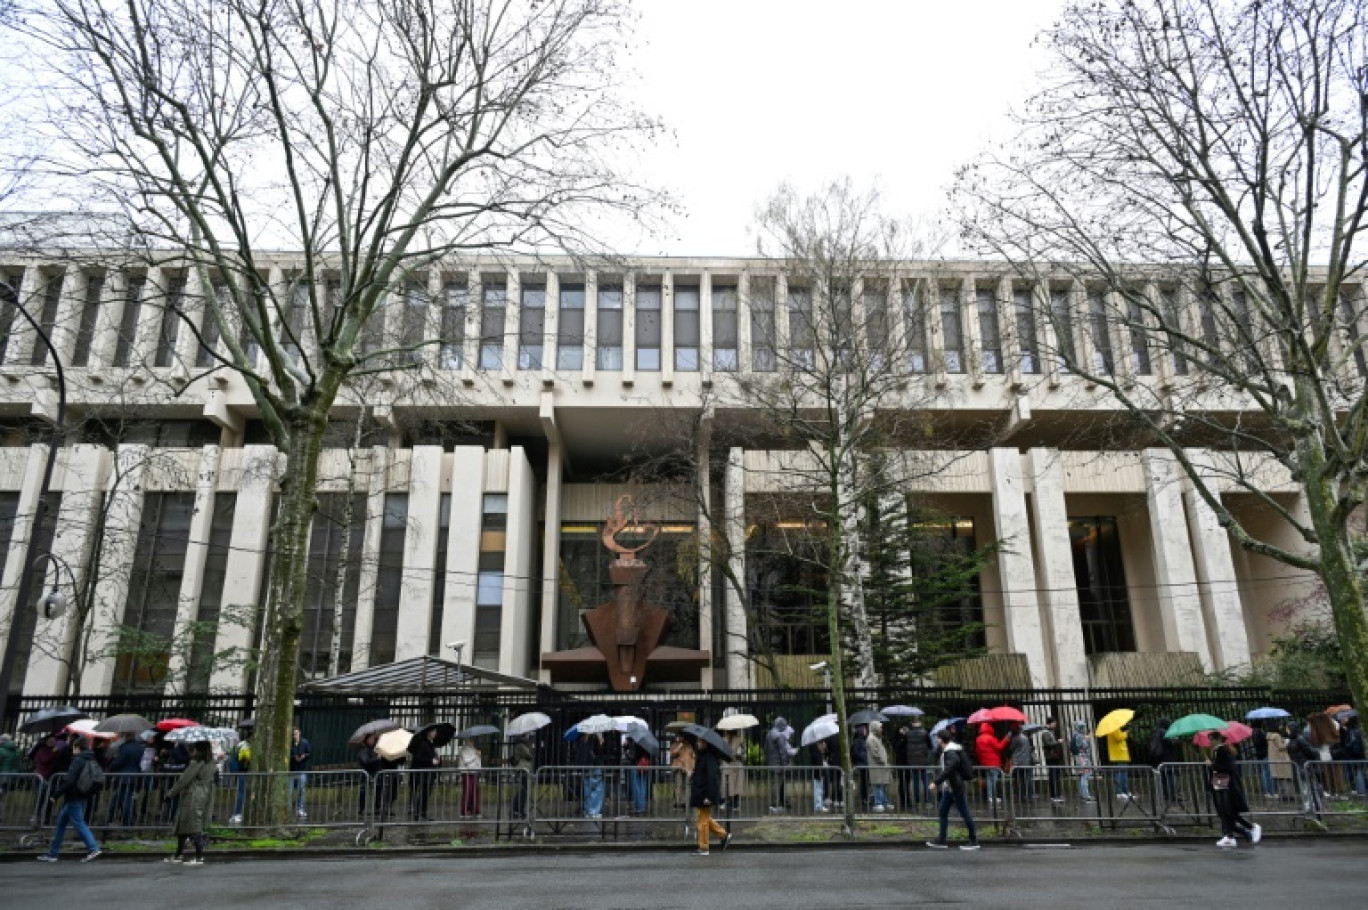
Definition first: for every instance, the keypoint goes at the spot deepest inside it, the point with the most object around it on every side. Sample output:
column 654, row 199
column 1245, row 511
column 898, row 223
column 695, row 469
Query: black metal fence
column 328, row 720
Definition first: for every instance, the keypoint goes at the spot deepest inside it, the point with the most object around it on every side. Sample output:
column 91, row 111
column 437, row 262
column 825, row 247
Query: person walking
column 879, row 774
column 423, row 763
column 1227, row 794
column 955, row 771
column 917, row 756
column 682, row 765
column 988, row 750
column 705, row 792
column 80, row 782
column 734, row 770
column 299, row 771
column 1052, row 748
column 778, row 756
column 194, row 788
column 469, row 763
column 1080, row 748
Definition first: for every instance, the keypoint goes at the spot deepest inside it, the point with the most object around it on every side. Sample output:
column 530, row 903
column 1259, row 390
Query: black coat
column 955, row 770
column 1231, row 800
column 423, row 753
column 705, row 787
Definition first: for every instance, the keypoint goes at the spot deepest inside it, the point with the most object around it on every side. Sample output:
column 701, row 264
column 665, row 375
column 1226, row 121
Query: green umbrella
column 1194, row 723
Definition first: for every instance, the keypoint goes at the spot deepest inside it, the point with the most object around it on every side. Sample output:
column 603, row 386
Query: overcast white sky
column 762, row 91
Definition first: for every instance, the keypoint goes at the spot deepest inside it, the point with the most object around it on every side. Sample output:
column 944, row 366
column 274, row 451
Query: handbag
column 1220, row 781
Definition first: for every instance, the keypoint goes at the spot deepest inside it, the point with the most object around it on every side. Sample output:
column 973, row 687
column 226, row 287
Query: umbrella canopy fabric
column 1234, row 732
column 596, row 723
column 902, row 711
column 527, row 723
column 1346, row 715
column 478, row 730
column 941, row 725
column 198, row 734
column 394, row 744
column 124, row 723
column 1194, row 723
column 864, row 717
column 646, row 740
column 175, row 723
column 373, row 728
column 699, row 733
column 675, row 726
column 981, row 716
column 821, row 728
column 445, row 733
column 247, row 723
column 1115, row 720
column 1267, row 714
column 738, row 722
column 50, row 720
column 627, row 724
column 86, row 727
column 1336, row 709
column 1007, row 713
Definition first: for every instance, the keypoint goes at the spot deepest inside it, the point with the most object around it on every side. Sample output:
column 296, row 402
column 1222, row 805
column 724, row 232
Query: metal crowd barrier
column 24, row 806
column 1336, row 789
column 603, row 800
column 497, row 798
column 318, row 799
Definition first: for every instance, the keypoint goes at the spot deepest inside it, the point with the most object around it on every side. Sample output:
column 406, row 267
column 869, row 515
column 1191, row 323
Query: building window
column 296, row 318
column 952, row 331
column 47, row 319
column 334, row 578
column 1026, row 330
column 570, row 328
column 209, row 326
column 204, row 632
column 531, row 326
column 149, row 621
column 648, row 334
column 1140, row 356
column 785, row 581
column 439, row 582
column 128, row 321
column 939, row 548
column 372, row 335
column 764, row 331
column 914, row 311
column 726, row 337
column 687, row 303
column 170, row 323
column 1061, row 316
column 1103, row 360
column 10, row 284
column 413, row 323
column 990, row 338
column 454, row 300
column 1103, row 602
column 85, row 328
column 802, row 332
column 493, row 303
column 389, row 579
column 27, row 623
column 1351, row 330
column 1245, row 333
column 876, row 329
column 609, row 346
column 489, row 583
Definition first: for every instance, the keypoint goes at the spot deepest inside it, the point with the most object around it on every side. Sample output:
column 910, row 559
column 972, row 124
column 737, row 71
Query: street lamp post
column 30, row 559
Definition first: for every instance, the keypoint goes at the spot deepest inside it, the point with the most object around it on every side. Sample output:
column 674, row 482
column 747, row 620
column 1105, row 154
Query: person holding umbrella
column 1227, row 793
column 523, row 760
column 955, row 771
column 705, row 792
column 193, row 789
column 424, row 760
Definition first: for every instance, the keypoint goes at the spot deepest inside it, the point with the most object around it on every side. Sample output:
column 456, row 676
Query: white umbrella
column 526, row 723
column 598, row 723
column 628, row 724
column 821, row 728
column 901, row 711
column 86, row 727
column 223, row 735
column 738, row 722
column 393, row 745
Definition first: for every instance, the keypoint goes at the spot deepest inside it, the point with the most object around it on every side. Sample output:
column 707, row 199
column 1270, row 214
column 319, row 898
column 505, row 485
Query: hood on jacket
column 953, row 746
column 1080, row 726
column 780, row 723
column 1164, row 723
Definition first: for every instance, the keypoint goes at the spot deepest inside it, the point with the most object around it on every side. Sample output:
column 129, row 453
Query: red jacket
column 988, row 748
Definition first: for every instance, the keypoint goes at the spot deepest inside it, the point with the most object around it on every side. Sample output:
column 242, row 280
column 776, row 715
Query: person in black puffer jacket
column 955, row 771
column 705, row 792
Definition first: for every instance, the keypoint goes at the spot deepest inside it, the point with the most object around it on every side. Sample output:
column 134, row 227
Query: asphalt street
column 1272, row 875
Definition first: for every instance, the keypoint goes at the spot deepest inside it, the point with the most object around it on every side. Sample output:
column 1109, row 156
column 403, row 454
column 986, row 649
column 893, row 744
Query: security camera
column 456, row 645
column 818, row 666
column 54, row 604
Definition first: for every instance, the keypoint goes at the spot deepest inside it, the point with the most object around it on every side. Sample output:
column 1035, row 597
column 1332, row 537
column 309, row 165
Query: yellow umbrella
column 1115, row 721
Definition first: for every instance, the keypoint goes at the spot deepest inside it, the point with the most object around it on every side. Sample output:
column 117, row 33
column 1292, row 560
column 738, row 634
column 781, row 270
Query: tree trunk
column 838, row 697
column 851, row 567
column 278, row 670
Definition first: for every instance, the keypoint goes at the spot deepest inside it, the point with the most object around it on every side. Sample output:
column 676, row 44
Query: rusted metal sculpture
column 626, row 630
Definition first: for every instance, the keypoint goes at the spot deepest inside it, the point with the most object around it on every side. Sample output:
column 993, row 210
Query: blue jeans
column 881, row 795
column 639, row 781
column 593, row 793
column 241, row 801
column 1084, row 776
column 73, row 813
column 817, row 790
column 916, row 786
column 1122, row 779
column 993, row 775
column 298, row 782
column 1266, row 771
column 948, row 798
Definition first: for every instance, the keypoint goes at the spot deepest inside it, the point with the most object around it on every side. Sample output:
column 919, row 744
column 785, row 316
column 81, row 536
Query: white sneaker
column 1226, row 842
column 235, row 820
column 302, row 814
column 1256, row 834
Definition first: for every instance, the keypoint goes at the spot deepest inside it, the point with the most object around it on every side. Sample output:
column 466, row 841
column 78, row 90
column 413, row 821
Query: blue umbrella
column 1266, row 714
column 957, row 721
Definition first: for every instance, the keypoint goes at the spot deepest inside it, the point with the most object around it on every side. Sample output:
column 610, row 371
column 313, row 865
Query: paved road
column 1272, row 875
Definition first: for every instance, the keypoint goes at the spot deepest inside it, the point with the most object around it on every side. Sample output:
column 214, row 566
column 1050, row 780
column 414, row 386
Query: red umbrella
column 175, row 723
column 981, row 716
column 1234, row 732
column 1006, row 713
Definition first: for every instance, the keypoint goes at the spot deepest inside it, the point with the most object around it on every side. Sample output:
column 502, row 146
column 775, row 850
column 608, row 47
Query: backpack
column 91, row 779
column 1075, row 748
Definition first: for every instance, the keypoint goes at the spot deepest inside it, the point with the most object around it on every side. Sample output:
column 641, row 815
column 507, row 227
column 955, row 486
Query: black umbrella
column 50, row 720
column 860, row 718
column 445, row 733
column 374, row 727
column 479, row 730
column 646, row 740
column 709, row 736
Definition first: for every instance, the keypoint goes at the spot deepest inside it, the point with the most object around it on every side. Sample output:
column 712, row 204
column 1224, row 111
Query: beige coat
column 1277, row 755
column 733, row 773
column 878, row 761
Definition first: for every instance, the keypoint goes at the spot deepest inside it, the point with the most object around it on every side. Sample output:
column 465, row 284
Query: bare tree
column 1196, row 170
column 375, row 138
